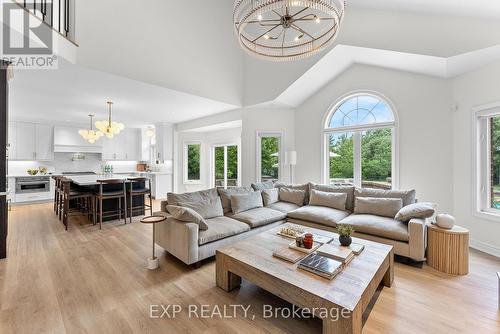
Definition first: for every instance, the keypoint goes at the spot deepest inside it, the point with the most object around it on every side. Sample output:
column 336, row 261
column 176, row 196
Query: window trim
column 481, row 162
column 258, row 150
column 326, row 131
column 212, row 163
column 185, row 145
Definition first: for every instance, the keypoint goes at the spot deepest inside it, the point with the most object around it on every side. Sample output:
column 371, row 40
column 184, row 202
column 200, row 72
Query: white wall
column 425, row 130
column 470, row 90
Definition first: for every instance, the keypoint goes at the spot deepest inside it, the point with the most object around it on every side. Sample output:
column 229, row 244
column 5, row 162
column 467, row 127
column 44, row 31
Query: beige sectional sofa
column 191, row 244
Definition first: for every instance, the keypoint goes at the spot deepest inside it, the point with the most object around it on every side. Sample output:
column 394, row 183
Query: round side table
column 153, row 261
column 448, row 250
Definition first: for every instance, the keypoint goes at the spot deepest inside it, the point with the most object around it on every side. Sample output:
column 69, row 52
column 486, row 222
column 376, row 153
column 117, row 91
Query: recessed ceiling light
column 259, row 17
column 266, row 36
column 318, row 20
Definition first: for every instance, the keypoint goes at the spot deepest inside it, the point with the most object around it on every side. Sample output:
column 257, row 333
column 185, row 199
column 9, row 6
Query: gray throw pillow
column 417, row 210
column 208, row 208
column 385, row 207
column 341, row 188
column 304, row 187
column 294, row 196
column 328, row 199
column 270, row 196
column 187, row 215
column 225, row 196
column 407, row 196
column 245, row 202
column 263, row 185
column 196, row 196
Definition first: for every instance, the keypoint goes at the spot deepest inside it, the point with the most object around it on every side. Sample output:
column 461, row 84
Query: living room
column 228, row 165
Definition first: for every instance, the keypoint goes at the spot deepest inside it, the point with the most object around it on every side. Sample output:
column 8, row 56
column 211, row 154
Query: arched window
column 360, row 142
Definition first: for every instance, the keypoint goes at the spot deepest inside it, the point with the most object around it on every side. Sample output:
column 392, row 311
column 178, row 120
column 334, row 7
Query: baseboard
column 484, row 247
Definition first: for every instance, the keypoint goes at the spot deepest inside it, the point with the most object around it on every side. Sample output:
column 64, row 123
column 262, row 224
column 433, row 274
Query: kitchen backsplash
column 65, row 162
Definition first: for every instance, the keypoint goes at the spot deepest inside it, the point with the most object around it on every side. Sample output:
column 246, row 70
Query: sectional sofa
column 225, row 216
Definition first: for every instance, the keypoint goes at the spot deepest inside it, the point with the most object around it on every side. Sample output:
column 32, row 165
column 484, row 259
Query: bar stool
column 104, row 194
column 56, row 194
column 139, row 190
column 83, row 198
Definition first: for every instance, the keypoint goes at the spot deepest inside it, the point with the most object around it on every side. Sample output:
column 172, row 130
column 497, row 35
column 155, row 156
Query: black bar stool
column 106, row 194
column 139, row 190
column 56, row 193
column 82, row 197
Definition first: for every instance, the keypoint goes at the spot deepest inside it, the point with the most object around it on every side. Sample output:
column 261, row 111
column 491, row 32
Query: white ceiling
column 489, row 9
column 70, row 93
column 218, row 127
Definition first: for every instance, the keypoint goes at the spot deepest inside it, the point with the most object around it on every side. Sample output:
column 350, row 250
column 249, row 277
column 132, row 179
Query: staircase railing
column 58, row 14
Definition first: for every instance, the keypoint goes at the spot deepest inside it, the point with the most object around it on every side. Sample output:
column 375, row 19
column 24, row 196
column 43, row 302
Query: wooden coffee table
column 350, row 291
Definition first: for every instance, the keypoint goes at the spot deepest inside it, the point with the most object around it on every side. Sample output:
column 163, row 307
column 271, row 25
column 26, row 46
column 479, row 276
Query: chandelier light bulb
column 90, row 135
column 110, row 128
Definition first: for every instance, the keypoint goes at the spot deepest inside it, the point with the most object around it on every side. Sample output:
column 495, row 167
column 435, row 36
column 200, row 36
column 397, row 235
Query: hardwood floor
column 91, row 281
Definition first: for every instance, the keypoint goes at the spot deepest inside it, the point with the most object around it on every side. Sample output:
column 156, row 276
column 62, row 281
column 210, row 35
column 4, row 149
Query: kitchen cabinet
column 67, row 139
column 30, row 141
column 124, row 147
column 164, row 141
column 161, row 184
column 25, row 141
column 44, row 145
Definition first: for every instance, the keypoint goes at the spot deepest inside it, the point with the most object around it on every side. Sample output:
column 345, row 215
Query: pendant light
column 109, row 128
column 91, row 135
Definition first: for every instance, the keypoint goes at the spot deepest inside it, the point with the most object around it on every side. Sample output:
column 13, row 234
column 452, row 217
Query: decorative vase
column 345, row 241
column 445, row 221
column 308, row 241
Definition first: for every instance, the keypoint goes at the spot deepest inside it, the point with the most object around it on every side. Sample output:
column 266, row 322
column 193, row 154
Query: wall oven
column 36, row 184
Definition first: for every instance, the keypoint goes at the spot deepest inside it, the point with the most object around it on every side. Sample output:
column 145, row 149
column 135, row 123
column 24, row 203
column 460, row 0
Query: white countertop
column 91, row 180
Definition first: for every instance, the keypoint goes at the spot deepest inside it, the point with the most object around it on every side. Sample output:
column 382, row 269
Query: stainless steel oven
column 35, row 184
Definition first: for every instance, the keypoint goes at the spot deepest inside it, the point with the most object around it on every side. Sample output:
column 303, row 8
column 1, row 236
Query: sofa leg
column 196, row 265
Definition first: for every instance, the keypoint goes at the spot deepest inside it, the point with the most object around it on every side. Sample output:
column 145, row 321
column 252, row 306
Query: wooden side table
column 448, row 250
column 153, row 262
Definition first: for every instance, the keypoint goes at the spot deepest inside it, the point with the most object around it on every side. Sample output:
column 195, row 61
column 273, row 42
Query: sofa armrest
column 179, row 239
column 417, row 229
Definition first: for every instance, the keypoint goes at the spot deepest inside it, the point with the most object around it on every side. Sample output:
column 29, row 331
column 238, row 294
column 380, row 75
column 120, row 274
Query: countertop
column 91, row 180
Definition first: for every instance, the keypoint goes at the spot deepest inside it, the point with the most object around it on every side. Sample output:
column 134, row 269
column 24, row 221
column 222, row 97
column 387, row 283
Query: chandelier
column 109, row 128
column 90, row 135
column 283, row 30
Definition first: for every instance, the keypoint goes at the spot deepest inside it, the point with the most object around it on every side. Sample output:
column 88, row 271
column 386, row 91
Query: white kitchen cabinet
column 67, row 139
column 164, row 141
column 44, row 145
column 25, row 141
column 161, row 184
column 123, row 147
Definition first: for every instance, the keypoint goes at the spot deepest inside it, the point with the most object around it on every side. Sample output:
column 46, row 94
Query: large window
column 225, row 166
column 359, row 145
column 269, row 156
column 488, row 162
column 192, row 165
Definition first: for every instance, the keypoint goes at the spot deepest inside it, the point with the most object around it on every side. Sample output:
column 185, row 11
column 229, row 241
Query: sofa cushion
column 207, row 208
column 407, row 196
column 244, row 202
column 270, row 196
column 263, row 185
column 378, row 226
column 294, row 196
column 385, row 207
column 304, row 187
column 417, row 210
column 187, row 215
column 328, row 199
column 225, row 196
column 220, row 228
column 284, row 207
column 174, row 199
column 340, row 189
column 259, row 216
column 319, row 214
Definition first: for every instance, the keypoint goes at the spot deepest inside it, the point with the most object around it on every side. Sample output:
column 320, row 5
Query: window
column 359, row 137
column 225, row 166
column 269, row 156
column 192, row 152
column 488, row 160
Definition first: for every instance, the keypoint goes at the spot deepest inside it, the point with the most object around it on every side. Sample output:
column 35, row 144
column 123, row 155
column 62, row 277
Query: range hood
column 67, row 140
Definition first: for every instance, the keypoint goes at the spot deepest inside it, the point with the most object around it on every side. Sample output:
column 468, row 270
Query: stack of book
column 341, row 254
column 320, row 265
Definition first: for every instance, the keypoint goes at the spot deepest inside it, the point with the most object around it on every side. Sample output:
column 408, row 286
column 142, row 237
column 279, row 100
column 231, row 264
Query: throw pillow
column 417, row 210
column 208, row 208
column 244, row 202
column 225, row 196
column 187, row 215
column 379, row 206
column 328, row 199
column 341, row 188
column 263, row 185
column 294, row 196
column 304, row 187
column 175, row 199
column 270, row 196
column 407, row 196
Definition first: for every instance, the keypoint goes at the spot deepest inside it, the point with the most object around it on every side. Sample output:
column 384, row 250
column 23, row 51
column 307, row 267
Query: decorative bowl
column 32, row 171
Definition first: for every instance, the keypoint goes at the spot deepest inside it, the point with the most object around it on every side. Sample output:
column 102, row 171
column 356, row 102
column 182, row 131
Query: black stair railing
column 58, row 14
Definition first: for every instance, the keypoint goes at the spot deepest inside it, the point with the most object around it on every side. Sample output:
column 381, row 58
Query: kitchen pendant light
column 109, row 128
column 91, row 135
column 284, row 30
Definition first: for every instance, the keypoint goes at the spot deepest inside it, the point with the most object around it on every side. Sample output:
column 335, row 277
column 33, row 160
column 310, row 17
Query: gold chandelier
column 90, row 135
column 282, row 30
column 109, row 128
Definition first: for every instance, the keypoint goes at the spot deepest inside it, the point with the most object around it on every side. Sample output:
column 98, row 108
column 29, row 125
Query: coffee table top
column 346, row 289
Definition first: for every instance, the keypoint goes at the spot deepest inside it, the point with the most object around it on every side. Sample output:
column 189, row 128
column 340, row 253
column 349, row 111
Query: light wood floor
column 91, row 281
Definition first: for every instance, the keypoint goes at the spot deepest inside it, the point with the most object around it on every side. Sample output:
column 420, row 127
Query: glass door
column 225, row 166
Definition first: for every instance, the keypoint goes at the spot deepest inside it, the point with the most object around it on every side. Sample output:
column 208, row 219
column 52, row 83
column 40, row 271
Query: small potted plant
column 345, row 231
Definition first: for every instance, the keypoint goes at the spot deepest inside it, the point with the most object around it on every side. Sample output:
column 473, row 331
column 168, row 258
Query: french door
column 225, row 166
